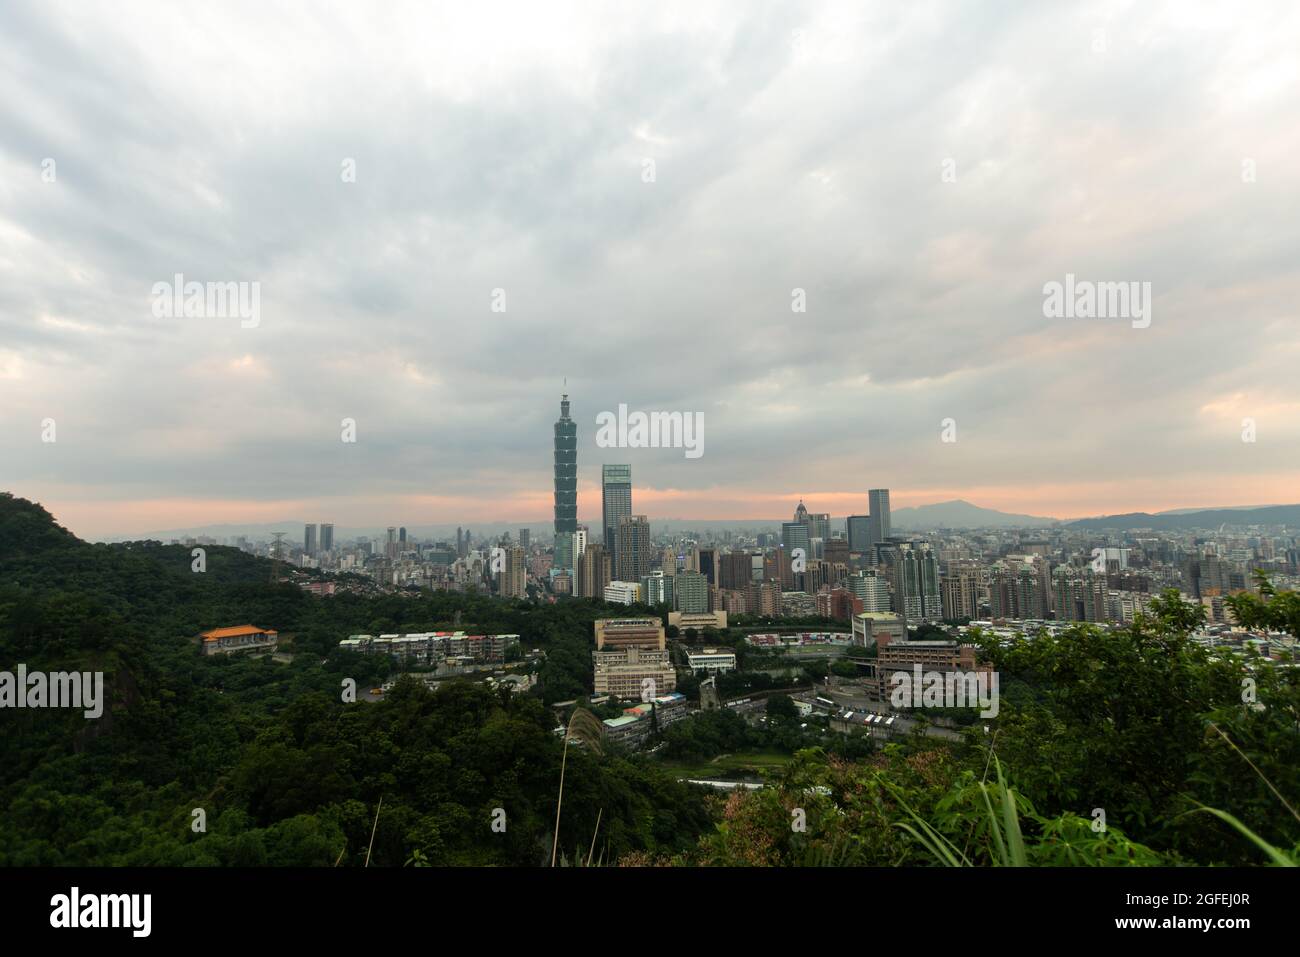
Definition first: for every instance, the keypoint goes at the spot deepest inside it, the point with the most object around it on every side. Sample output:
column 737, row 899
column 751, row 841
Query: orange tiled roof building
column 220, row 641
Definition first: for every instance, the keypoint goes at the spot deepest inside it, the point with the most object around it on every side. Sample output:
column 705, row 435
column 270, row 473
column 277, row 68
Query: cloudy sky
column 919, row 169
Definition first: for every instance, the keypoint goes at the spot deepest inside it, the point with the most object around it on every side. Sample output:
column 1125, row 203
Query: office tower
column 616, row 502
column 309, row 541
column 390, row 544
column 632, row 550
column 581, row 541
column 735, row 570
column 795, row 535
column 691, row 591
column 819, row 525
column 961, row 587
column 327, row 537
column 401, row 538
column 836, row 551
column 859, row 533
column 708, row 558
column 878, row 526
column 512, row 580
column 594, row 571
column 566, row 486
column 524, row 537
column 460, row 542
column 801, row 514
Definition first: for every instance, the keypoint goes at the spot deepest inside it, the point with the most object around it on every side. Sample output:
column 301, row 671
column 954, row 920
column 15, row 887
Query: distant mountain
column 1212, row 508
column 1208, row 518
column 961, row 514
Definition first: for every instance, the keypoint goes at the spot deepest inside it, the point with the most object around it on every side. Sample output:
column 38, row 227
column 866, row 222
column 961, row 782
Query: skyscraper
column 616, row 500
column 878, row 526
column 632, row 556
column 859, row 527
column 566, row 486
column 327, row 537
column 309, row 540
column 819, row 525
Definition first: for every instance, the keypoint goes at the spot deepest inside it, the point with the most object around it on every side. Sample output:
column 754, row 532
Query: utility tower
column 277, row 551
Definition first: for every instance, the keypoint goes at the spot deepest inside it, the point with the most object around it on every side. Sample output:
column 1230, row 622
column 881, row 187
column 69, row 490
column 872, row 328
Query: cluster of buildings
column 632, row 660
column 814, row 565
column 635, row 724
column 433, row 647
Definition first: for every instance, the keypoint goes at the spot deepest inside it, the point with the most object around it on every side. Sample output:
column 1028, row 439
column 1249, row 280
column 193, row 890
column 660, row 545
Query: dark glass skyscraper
column 566, row 486
column 616, row 499
column 878, row 526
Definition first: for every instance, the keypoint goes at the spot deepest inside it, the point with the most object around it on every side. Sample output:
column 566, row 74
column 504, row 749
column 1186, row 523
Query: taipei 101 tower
column 566, row 487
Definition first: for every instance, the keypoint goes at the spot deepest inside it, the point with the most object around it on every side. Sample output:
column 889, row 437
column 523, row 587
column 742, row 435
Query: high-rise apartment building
column 1079, row 595
column 692, row 592
column 961, row 586
column 512, row 581
column 594, row 571
column 871, row 589
column 916, row 586
column 657, row 588
column 632, row 549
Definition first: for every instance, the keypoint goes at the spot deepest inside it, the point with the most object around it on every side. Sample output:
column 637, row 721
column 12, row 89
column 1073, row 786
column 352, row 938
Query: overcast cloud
column 795, row 145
